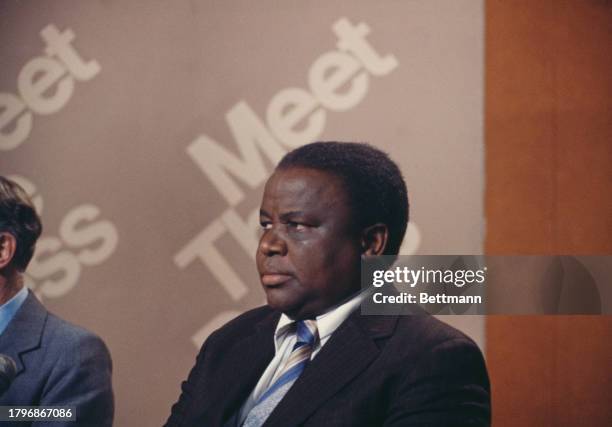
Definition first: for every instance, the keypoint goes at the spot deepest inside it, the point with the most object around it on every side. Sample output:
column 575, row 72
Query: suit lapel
column 24, row 332
column 349, row 351
column 237, row 375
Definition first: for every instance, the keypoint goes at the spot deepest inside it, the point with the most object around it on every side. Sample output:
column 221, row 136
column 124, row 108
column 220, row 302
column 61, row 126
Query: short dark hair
column 373, row 182
column 19, row 218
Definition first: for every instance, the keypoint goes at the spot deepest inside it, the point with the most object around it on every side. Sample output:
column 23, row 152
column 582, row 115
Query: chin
column 291, row 310
column 276, row 302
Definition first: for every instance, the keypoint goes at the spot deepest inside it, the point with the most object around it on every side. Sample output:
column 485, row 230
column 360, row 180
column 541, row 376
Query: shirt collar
column 327, row 322
column 10, row 308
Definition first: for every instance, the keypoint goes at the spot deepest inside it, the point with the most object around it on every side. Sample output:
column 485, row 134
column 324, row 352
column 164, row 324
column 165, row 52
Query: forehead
column 301, row 188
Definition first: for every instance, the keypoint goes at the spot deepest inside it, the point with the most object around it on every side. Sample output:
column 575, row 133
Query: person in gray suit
column 56, row 363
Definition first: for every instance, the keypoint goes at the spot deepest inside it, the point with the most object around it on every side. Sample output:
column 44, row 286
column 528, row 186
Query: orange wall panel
column 548, row 130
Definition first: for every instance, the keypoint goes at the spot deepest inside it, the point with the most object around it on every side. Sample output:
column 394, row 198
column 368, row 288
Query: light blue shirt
column 9, row 308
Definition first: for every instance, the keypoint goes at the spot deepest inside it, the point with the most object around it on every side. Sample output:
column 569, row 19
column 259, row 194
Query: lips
column 274, row 279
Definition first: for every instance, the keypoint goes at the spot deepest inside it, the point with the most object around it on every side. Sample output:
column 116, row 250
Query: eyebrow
column 283, row 216
column 290, row 214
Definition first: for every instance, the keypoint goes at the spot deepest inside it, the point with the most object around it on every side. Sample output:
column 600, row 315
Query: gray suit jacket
column 58, row 364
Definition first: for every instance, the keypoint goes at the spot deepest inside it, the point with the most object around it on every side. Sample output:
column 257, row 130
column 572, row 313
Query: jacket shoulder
column 245, row 323
column 430, row 331
column 65, row 334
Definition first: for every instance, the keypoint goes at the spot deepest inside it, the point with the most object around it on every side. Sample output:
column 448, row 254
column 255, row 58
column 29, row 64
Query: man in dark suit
column 57, row 364
column 309, row 357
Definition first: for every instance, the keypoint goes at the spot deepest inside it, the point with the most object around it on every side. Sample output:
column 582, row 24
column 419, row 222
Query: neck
column 10, row 284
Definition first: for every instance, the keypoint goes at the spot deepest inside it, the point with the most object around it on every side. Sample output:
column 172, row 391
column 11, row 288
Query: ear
column 374, row 239
column 8, row 246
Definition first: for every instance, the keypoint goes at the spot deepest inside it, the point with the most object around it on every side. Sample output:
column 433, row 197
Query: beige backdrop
column 144, row 132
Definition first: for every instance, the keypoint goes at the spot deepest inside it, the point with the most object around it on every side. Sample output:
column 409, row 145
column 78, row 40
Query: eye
column 265, row 225
column 296, row 226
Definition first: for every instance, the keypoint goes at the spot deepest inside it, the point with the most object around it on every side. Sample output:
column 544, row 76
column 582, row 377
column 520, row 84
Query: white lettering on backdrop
column 45, row 84
column 338, row 80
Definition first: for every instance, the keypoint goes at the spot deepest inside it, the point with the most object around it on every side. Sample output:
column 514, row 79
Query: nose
column 271, row 243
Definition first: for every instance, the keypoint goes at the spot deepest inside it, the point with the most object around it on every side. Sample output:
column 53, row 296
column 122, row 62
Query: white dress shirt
column 284, row 340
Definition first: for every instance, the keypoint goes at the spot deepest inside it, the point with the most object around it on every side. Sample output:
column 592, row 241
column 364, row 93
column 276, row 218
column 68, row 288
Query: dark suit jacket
column 374, row 371
column 58, row 364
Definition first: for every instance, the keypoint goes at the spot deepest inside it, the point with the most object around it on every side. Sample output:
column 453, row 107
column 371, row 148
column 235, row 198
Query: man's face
column 309, row 253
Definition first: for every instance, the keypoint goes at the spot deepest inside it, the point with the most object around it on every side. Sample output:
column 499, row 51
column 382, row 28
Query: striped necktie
column 306, row 338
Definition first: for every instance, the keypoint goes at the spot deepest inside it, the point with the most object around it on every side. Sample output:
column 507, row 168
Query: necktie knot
column 306, row 333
